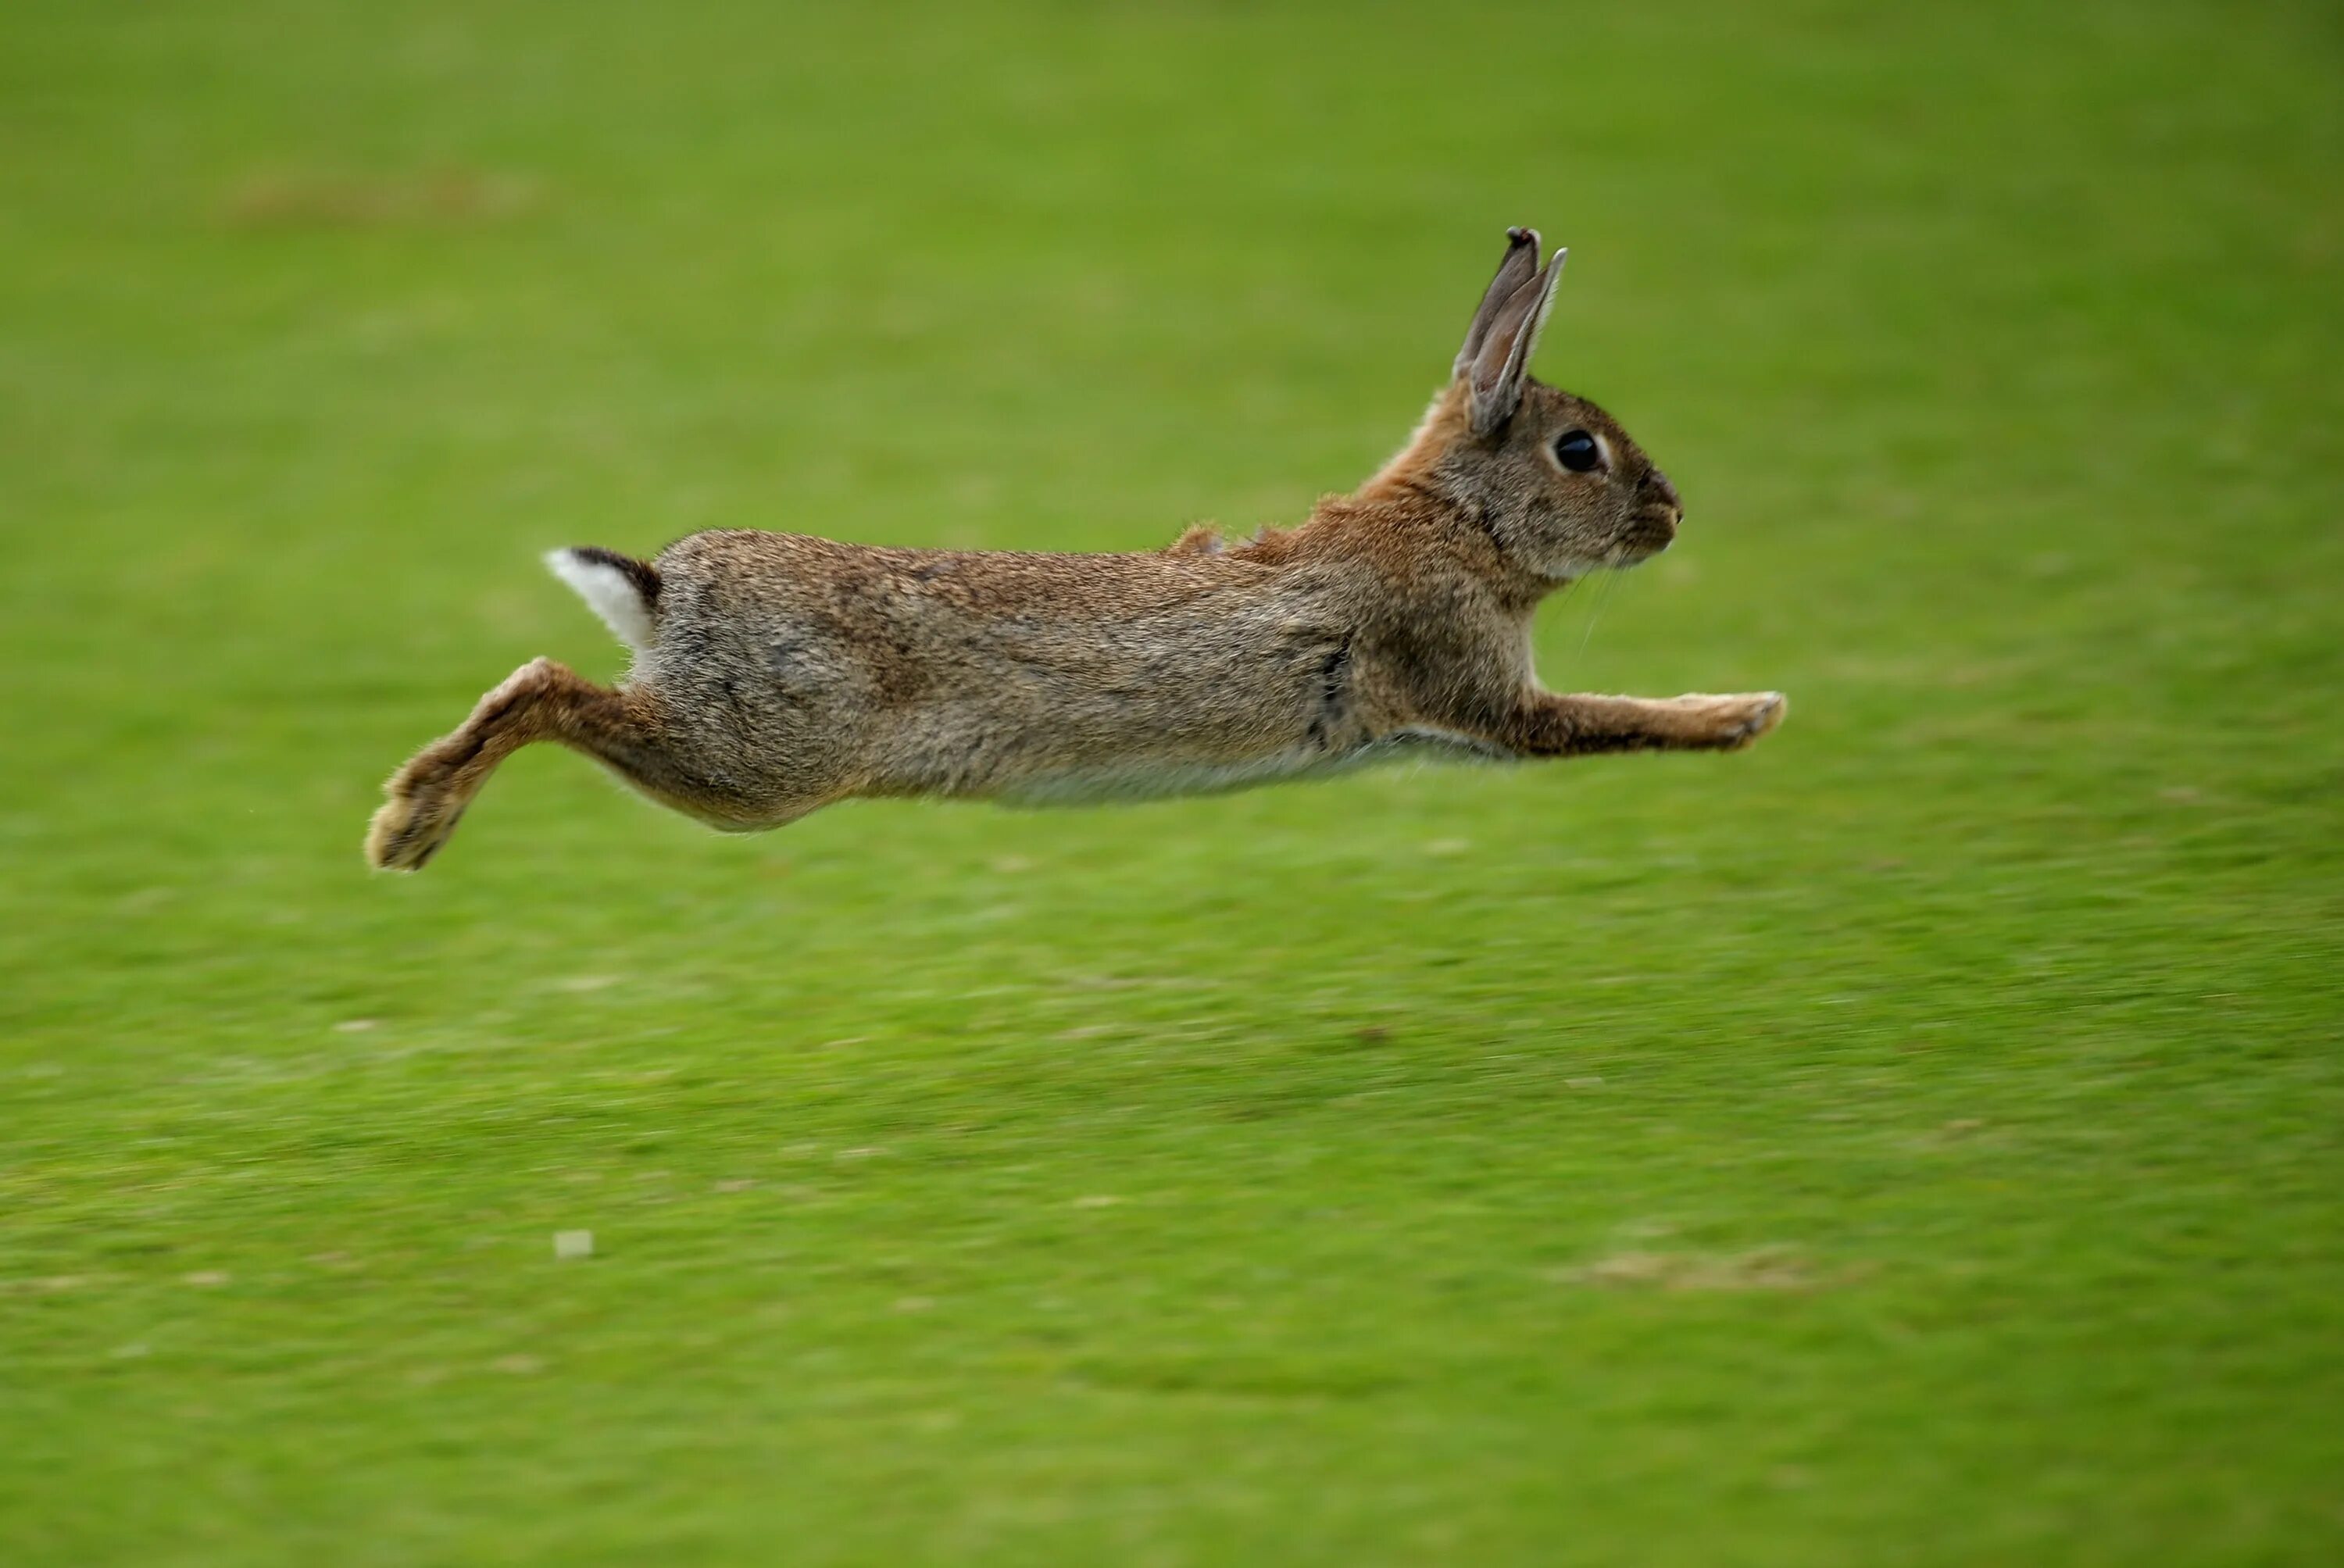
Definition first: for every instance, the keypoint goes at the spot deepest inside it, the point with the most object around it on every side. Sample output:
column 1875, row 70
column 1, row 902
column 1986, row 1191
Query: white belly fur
column 1162, row 779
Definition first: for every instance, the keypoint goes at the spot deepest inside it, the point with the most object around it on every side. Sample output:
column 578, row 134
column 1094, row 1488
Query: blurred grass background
column 1915, row 1140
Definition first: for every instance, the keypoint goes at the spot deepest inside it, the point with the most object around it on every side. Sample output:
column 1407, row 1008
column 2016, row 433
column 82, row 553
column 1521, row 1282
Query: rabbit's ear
column 1521, row 260
column 1503, row 358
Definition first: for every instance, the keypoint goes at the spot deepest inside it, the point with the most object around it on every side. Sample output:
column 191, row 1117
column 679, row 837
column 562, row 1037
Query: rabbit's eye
column 1578, row 451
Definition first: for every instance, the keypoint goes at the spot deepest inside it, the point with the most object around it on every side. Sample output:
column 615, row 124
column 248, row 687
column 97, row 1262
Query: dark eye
column 1578, row 451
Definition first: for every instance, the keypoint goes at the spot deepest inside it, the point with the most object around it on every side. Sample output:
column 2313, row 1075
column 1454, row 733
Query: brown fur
column 1201, row 539
column 789, row 671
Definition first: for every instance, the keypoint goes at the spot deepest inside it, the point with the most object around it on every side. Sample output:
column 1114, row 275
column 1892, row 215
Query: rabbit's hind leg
column 541, row 700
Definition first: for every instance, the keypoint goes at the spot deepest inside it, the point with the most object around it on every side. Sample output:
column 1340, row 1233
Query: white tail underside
column 608, row 595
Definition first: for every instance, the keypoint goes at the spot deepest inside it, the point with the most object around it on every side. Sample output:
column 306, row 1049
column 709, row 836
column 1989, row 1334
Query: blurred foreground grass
column 1915, row 1140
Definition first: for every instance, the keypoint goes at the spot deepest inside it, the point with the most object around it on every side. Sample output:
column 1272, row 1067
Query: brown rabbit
column 776, row 673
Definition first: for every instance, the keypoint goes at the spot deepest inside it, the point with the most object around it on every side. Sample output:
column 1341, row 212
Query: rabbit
column 775, row 673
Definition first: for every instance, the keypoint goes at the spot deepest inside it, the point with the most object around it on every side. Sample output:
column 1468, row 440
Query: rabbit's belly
column 1159, row 779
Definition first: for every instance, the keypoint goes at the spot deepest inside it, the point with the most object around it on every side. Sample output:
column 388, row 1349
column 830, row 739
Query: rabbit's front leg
column 1551, row 724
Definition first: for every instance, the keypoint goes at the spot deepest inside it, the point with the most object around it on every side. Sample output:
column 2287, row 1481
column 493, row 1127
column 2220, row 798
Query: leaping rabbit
column 775, row 672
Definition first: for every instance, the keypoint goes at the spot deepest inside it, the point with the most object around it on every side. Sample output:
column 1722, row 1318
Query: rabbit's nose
column 1657, row 484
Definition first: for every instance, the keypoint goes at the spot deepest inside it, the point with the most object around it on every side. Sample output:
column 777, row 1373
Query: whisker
column 1562, row 595
column 1595, row 610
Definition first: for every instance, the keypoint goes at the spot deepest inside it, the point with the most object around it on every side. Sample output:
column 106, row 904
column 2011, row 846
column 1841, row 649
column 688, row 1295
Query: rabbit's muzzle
column 1653, row 526
column 1650, row 530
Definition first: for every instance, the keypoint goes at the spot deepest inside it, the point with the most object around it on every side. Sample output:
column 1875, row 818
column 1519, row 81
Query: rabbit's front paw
column 1728, row 723
column 1753, row 714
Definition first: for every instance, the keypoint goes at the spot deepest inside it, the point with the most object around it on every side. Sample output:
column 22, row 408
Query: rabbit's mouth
column 1650, row 531
column 1628, row 553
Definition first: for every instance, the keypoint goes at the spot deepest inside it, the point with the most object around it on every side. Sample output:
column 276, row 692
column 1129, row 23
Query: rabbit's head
column 1559, row 487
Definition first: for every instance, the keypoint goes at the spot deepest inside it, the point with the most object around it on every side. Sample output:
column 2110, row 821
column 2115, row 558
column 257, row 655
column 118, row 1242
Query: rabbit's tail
column 619, row 588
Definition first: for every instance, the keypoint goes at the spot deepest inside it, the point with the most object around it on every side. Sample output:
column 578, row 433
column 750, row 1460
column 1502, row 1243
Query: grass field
column 1918, row 1141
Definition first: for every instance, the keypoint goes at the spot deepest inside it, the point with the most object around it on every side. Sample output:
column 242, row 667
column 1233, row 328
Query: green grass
column 1914, row 1141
